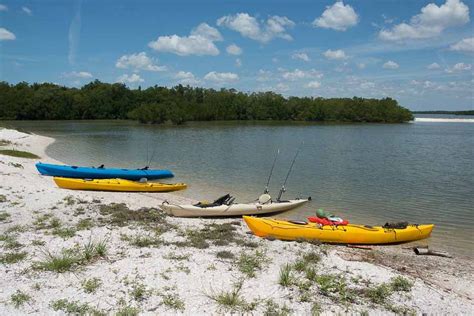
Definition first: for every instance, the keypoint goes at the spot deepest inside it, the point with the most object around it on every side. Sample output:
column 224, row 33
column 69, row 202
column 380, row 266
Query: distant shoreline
column 466, row 112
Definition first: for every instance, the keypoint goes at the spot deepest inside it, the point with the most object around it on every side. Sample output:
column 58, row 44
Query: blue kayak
column 100, row 173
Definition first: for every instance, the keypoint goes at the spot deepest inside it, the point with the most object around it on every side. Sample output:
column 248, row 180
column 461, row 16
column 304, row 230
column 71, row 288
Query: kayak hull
column 100, row 173
column 237, row 209
column 349, row 234
column 116, row 185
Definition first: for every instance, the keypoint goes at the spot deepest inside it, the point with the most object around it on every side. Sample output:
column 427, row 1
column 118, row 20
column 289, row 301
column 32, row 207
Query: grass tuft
column 139, row 292
column 91, row 285
column 225, row 254
column 4, row 216
column 62, row 262
column 401, row 284
column 18, row 153
column 250, row 263
column 19, row 298
column 173, row 301
column 232, row 300
column 273, row 309
column 379, row 294
column 285, row 278
column 12, row 257
column 74, row 308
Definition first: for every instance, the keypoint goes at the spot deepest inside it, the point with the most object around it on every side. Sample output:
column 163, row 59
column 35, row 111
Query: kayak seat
column 223, row 200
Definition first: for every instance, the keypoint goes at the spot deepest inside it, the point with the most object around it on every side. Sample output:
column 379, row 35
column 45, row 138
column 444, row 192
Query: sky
column 420, row 53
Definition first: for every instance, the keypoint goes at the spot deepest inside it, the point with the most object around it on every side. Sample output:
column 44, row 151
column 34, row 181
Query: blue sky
column 418, row 52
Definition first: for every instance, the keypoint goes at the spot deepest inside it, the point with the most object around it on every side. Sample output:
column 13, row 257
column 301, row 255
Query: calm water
column 370, row 173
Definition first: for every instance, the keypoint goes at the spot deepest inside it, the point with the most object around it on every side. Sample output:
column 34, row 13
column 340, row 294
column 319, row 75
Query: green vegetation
column 250, row 263
column 91, row 285
column 68, row 259
column 232, row 300
column 3, row 198
column 400, row 284
column 225, row 254
column 18, row 153
column 12, row 257
column 216, row 234
column 139, row 292
column 273, row 309
column 74, row 308
column 19, row 298
column 128, row 311
column 172, row 300
column 4, row 216
column 97, row 100
column 285, row 279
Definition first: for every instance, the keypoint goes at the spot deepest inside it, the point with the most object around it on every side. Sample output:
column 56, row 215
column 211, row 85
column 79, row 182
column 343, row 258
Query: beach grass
column 172, row 300
column 19, row 298
column 91, row 285
column 12, row 257
column 75, row 308
column 18, row 153
column 286, row 278
column 4, row 216
column 250, row 263
column 225, row 254
column 232, row 300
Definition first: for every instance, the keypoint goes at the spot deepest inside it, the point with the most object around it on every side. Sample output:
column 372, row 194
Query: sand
column 166, row 273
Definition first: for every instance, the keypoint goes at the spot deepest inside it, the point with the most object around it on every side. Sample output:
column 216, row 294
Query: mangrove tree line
column 98, row 100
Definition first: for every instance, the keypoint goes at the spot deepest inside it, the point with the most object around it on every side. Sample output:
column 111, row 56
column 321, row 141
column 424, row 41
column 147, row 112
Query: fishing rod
column 152, row 155
column 283, row 189
column 271, row 172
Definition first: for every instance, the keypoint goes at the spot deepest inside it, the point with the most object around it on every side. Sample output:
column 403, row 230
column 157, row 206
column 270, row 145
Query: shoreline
column 157, row 264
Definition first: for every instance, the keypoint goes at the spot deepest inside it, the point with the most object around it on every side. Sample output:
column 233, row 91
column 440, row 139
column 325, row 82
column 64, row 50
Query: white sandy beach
column 167, row 270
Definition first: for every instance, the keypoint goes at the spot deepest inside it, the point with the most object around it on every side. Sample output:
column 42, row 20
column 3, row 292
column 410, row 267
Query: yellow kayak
column 349, row 234
column 119, row 185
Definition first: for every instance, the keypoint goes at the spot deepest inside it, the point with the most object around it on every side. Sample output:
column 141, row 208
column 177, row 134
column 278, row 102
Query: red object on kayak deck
column 325, row 221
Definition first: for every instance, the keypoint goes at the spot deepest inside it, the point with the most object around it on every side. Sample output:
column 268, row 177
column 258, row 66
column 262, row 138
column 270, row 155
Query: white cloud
column 78, row 74
column 249, row 26
column 459, row 67
column 464, row 45
column 301, row 56
column 134, row 78
column 200, row 42
column 282, row 87
column 313, row 85
column 186, row 78
column 238, row 62
column 27, row 10
column 338, row 17
column 234, row 49
column 335, row 54
column 6, row 35
column 264, row 75
column 298, row 74
column 207, row 31
column 361, row 65
column 221, row 77
column 3, row 7
column 138, row 62
column 432, row 21
column 433, row 66
column 390, row 65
